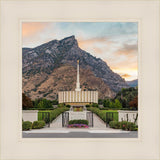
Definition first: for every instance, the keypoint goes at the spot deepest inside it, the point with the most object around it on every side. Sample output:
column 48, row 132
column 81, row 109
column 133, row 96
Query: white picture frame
column 146, row 13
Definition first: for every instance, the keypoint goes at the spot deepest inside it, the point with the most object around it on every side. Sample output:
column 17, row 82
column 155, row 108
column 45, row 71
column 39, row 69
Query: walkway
column 57, row 123
column 97, row 123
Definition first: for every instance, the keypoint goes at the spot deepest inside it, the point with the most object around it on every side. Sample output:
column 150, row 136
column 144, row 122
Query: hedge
column 38, row 124
column 26, row 125
column 98, row 112
column 78, row 121
column 53, row 113
column 102, row 113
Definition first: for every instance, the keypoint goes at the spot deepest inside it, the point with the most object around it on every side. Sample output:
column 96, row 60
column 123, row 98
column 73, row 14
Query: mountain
column 51, row 67
column 133, row 83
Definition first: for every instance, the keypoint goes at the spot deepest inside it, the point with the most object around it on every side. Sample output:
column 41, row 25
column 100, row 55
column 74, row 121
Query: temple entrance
column 78, row 108
column 77, row 115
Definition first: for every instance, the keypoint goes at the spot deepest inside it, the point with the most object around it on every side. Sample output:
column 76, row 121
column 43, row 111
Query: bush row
column 53, row 114
column 27, row 125
column 38, row 124
column 78, row 121
column 124, row 125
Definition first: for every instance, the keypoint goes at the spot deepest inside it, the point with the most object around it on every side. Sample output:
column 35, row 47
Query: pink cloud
column 31, row 28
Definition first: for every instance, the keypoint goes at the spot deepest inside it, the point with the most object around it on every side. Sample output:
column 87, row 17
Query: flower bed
column 77, row 126
column 78, row 121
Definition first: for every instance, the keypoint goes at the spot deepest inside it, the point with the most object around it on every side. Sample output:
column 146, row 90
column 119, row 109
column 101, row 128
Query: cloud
column 129, row 50
column 31, row 28
column 98, row 50
column 96, row 46
column 125, row 75
column 91, row 41
column 121, row 56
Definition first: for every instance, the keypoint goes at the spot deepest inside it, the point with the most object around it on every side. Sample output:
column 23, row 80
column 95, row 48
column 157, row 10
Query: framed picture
column 80, row 79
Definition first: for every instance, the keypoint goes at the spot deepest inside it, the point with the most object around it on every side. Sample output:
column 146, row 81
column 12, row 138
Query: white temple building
column 78, row 97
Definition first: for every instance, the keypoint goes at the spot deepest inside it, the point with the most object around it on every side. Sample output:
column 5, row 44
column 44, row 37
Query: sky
column 116, row 43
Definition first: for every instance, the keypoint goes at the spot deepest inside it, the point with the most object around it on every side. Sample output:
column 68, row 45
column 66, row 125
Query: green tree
column 124, row 102
column 106, row 103
column 44, row 103
column 55, row 102
column 36, row 102
column 100, row 101
column 117, row 104
column 111, row 104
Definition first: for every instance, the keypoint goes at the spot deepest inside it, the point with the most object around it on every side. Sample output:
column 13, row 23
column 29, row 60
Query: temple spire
column 78, row 83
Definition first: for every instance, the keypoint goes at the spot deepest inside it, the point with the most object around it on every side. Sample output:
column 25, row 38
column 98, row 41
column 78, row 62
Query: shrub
column 94, row 105
column 78, row 121
column 26, row 125
column 124, row 125
column 87, row 105
column 68, row 106
column 115, row 124
column 38, row 124
column 131, row 126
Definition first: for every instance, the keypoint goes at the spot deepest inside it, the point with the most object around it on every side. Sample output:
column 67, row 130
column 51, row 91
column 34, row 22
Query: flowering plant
column 77, row 126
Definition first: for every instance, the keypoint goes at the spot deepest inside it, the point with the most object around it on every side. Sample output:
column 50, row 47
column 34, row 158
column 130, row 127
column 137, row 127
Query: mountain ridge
column 133, row 83
column 44, row 59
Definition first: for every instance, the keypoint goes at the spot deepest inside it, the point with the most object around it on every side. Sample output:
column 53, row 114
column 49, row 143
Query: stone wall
column 77, row 115
column 30, row 115
column 127, row 115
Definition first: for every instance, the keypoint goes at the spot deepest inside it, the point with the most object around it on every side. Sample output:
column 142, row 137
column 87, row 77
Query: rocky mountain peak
column 69, row 41
column 42, row 61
